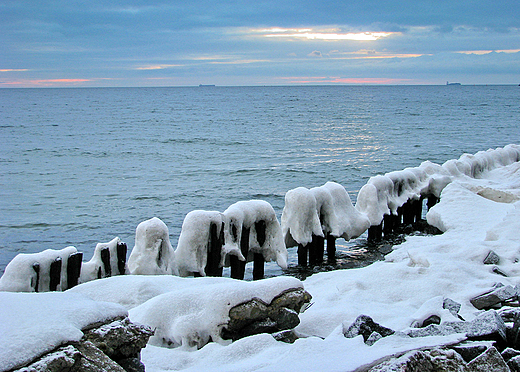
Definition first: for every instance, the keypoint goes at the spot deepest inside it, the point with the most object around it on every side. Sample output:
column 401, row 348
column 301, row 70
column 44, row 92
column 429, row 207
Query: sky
column 69, row 43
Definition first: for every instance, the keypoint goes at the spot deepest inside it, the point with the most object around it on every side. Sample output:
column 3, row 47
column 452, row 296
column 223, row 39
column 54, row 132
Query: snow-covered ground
column 476, row 214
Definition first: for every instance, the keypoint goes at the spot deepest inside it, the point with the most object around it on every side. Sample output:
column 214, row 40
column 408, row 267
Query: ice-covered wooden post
column 199, row 251
column 74, row 269
column 152, row 253
column 55, row 274
column 121, row 257
column 322, row 213
column 252, row 233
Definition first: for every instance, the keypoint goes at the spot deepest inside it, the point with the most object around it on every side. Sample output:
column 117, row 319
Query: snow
column 35, row 323
column 479, row 211
column 153, row 252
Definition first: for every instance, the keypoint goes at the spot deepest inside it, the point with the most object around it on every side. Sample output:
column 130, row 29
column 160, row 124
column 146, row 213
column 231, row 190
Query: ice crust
column 90, row 269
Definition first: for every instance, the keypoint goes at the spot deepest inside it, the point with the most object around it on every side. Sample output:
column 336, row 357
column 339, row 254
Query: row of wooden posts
column 408, row 214
column 309, row 254
column 74, row 263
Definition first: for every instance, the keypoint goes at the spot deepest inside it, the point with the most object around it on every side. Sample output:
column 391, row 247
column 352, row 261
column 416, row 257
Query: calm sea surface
column 81, row 166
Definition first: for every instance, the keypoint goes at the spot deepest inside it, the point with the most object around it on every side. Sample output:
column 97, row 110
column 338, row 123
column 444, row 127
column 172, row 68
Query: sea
column 79, row 166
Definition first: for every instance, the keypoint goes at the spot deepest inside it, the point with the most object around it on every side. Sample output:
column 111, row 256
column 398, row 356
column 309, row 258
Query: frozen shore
column 477, row 213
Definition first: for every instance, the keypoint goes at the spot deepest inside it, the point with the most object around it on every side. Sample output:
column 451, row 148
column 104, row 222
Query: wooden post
column 121, row 257
column 238, row 268
column 417, row 207
column 55, row 274
column 36, row 268
column 214, row 251
column 331, row 248
column 316, row 250
column 302, row 255
column 258, row 266
column 408, row 214
column 375, row 233
column 74, row 269
column 105, row 258
column 258, row 258
column 388, row 224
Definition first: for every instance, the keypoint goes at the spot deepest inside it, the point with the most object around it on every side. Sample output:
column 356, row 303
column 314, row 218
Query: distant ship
column 206, row 85
column 448, row 83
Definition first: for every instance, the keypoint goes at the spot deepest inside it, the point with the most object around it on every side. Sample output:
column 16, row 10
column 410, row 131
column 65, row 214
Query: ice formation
column 253, row 215
column 191, row 254
column 152, row 253
column 320, row 211
column 20, row 274
column 95, row 268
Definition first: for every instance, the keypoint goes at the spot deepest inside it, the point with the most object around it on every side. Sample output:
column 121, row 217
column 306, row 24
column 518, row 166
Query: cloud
column 315, row 53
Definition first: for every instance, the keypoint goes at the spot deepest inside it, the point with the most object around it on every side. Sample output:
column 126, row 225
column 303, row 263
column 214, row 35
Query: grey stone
column 447, row 360
column 488, row 325
column 499, row 271
column 413, row 361
column 492, row 258
column 495, row 297
column 373, row 338
column 62, row 359
column 94, row 360
column 288, row 336
column 132, row 365
column 489, row 360
column 509, row 353
column 119, row 339
column 432, row 319
column 514, row 364
column 365, row 326
column 255, row 316
column 471, row 350
column 452, row 306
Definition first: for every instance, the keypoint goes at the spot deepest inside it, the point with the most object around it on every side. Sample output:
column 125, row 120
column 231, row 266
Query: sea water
column 80, row 166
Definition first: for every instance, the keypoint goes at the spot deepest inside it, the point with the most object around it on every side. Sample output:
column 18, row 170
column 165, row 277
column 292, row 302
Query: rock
column 499, row 271
column 495, row 297
column 509, row 353
column 288, row 336
column 373, row 338
column 452, row 306
column 447, row 360
column 487, row 326
column 255, row 316
column 491, row 259
column 514, row 364
column 432, row 319
column 470, row 350
column 489, row 360
column 365, row 326
column 412, row 361
column 514, row 333
column 120, row 339
column 132, row 365
column 111, row 347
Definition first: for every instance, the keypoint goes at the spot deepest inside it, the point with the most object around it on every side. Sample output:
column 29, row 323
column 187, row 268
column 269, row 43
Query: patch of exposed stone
column 279, row 317
column 111, row 347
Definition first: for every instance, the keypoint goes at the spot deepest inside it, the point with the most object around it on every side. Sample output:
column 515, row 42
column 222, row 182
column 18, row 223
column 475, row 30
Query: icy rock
column 497, row 296
column 106, row 347
column 120, row 339
column 509, row 353
column 488, row 325
column 491, row 259
column 514, row 364
column 365, row 326
column 410, row 362
column 255, row 316
column 471, row 350
column 287, row 336
column 490, row 360
column 452, row 306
